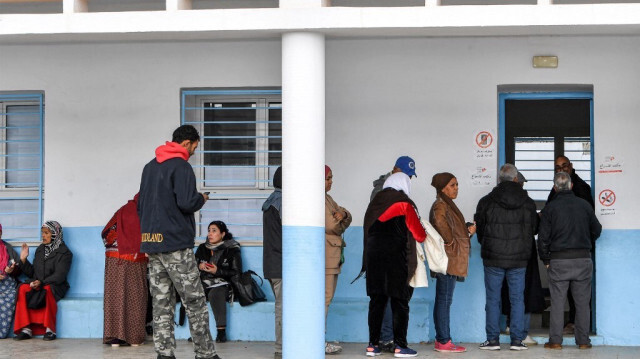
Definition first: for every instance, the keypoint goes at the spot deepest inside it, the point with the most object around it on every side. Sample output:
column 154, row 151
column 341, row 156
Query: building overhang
column 335, row 22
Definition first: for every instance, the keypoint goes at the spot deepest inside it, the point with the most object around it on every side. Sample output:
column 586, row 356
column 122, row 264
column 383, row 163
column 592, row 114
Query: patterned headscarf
column 56, row 237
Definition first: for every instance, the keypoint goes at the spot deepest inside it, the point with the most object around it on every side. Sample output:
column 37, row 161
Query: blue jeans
column 493, row 277
column 445, row 284
column 386, row 333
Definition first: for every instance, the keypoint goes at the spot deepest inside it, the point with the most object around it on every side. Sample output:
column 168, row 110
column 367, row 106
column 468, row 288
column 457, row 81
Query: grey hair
column 507, row 173
column 562, row 181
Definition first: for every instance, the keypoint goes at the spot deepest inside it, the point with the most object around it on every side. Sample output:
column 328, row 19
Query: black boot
column 222, row 336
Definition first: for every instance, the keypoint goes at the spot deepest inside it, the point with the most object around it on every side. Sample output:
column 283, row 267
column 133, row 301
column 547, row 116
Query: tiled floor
column 92, row 348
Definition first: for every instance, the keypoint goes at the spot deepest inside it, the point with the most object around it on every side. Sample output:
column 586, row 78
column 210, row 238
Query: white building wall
column 108, row 105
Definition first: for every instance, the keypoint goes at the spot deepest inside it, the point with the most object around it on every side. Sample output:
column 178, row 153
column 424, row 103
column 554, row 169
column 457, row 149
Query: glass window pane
column 230, row 144
column 534, row 158
column 242, row 216
column 578, row 151
column 23, row 146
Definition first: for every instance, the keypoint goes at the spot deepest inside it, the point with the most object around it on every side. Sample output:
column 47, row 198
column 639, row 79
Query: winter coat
column 272, row 243
column 568, row 228
column 333, row 231
column 52, row 271
column 455, row 234
column 391, row 228
column 506, row 222
column 226, row 257
column 168, row 200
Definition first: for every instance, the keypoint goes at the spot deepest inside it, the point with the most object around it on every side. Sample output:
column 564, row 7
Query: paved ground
column 92, row 348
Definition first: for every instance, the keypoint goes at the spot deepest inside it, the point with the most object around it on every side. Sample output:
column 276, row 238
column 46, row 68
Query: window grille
column 240, row 149
column 534, row 158
column 21, row 165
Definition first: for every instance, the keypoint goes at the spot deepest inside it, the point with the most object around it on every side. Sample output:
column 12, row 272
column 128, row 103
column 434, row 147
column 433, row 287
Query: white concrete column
column 73, row 6
column 303, row 111
column 173, row 5
column 304, row 3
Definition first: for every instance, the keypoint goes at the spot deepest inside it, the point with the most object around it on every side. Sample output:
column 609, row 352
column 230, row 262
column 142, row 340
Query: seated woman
column 9, row 271
column 48, row 273
column 219, row 260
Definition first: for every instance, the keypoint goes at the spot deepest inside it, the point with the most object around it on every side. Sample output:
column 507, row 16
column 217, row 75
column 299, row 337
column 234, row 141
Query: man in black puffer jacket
column 506, row 222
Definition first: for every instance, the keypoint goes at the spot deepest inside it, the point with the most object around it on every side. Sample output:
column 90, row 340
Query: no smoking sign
column 607, row 198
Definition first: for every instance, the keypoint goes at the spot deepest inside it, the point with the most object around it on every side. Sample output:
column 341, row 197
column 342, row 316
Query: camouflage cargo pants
column 178, row 270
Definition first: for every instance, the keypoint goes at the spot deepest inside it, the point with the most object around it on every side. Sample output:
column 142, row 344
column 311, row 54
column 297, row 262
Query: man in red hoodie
column 168, row 200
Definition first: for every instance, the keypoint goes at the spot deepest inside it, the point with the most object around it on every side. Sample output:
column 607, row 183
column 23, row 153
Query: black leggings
column 400, row 311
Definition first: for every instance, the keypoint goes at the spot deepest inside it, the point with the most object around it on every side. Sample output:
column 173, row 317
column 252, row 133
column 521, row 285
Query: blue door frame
column 503, row 97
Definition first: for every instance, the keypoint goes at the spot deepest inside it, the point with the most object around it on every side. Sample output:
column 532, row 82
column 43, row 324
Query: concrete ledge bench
column 81, row 316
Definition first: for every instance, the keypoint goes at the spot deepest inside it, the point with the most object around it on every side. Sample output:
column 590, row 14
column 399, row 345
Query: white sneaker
column 332, row 348
column 529, row 341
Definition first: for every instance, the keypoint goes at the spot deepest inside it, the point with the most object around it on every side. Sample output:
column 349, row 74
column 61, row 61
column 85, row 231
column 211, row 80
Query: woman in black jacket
column 48, row 279
column 219, row 260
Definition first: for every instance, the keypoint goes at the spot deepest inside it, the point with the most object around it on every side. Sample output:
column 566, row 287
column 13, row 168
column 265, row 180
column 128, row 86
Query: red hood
column 171, row 150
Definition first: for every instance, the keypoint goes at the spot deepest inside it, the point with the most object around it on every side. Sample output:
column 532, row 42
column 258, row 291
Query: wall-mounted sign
column 610, row 164
column 484, row 145
column 607, row 199
column 482, row 177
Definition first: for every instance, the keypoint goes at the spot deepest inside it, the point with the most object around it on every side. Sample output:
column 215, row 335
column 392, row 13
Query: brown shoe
column 552, row 346
column 585, row 346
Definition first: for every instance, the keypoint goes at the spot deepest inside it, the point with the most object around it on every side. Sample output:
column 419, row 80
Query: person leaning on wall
column 36, row 308
column 337, row 220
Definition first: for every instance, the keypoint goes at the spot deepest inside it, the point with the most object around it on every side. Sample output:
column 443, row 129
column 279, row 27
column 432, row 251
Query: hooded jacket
column 506, row 221
column 168, row 200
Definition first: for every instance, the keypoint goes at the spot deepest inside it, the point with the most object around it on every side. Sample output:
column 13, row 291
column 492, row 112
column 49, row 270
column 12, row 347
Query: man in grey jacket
column 567, row 233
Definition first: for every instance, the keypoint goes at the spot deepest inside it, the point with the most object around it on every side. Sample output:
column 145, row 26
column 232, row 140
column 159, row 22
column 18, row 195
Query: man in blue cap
column 403, row 164
column 406, row 165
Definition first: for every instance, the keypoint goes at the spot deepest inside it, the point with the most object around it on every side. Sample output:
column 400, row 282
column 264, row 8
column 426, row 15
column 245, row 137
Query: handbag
column 36, row 299
column 419, row 278
column 246, row 289
column 434, row 246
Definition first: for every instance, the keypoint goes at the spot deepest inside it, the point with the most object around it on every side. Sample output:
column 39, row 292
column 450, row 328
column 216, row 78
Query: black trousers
column 400, row 313
column 217, row 297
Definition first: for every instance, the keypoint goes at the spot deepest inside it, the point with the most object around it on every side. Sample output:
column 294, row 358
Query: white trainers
column 529, row 341
column 332, row 348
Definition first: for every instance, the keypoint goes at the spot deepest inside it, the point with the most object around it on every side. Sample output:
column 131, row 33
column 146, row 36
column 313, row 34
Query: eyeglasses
column 565, row 166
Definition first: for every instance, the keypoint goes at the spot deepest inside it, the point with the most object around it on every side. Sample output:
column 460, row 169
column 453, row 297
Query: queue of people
column 149, row 247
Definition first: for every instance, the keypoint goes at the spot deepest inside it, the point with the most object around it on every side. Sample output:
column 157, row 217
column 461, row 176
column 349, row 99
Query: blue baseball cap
column 407, row 165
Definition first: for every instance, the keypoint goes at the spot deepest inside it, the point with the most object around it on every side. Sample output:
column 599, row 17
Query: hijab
column 398, row 181
column 56, row 237
column 440, row 181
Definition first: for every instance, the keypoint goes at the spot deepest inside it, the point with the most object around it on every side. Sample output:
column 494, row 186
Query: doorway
column 535, row 127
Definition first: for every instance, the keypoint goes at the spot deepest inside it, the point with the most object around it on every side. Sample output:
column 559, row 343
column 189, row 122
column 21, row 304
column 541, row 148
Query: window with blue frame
column 21, row 165
column 240, row 149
